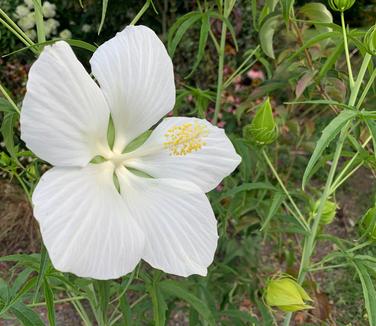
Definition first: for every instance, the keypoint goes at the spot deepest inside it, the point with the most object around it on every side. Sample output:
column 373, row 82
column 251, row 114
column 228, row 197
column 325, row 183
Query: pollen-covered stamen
column 186, row 138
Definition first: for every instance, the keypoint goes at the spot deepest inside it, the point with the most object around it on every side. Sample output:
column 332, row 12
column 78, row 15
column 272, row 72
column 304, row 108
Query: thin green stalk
column 221, row 59
column 41, row 304
column 359, row 80
column 15, row 29
column 141, row 12
column 9, row 99
column 366, row 89
column 341, row 177
column 328, row 267
column 347, row 53
column 301, row 219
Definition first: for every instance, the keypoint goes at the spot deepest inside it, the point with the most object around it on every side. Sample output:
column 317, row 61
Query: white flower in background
column 27, row 22
column 50, row 26
column 22, row 11
column 32, row 34
column 99, row 220
column 48, row 9
column 86, row 28
column 29, row 3
column 65, row 34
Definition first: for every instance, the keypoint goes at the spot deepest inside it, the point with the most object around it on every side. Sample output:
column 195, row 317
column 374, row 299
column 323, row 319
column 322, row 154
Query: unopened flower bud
column 370, row 40
column 368, row 223
column 329, row 212
column 263, row 129
column 341, row 5
column 286, row 294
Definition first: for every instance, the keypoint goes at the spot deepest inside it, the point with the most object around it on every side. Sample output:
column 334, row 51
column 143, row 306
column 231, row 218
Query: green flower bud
column 370, row 40
column 328, row 213
column 286, row 294
column 368, row 223
column 341, row 5
column 263, row 129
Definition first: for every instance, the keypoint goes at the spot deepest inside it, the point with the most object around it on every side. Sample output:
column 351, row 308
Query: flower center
column 186, row 138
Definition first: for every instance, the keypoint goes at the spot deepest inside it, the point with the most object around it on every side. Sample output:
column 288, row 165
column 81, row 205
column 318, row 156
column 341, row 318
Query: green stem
column 141, row 12
column 301, row 219
column 328, row 267
column 359, row 80
column 351, row 78
column 366, row 89
column 342, row 177
column 70, row 299
column 220, row 73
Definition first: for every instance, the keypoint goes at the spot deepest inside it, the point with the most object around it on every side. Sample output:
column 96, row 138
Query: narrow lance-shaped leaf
column 204, row 32
column 369, row 291
column 267, row 32
column 328, row 134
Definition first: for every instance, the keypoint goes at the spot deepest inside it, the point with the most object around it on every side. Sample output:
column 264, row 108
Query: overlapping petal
column 64, row 114
column 205, row 167
column 136, row 76
column 85, row 223
column 177, row 219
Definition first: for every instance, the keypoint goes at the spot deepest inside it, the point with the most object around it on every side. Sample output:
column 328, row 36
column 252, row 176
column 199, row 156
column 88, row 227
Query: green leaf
column 49, row 297
column 7, row 126
column 277, row 200
column 183, row 24
column 331, row 60
column 26, row 316
column 369, row 291
column 104, row 10
column 267, row 32
column 317, row 11
column 248, row 187
column 204, row 32
column 175, row 289
column 5, row 106
column 328, row 134
column 286, row 9
column 42, row 270
column 125, row 309
column 76, row 43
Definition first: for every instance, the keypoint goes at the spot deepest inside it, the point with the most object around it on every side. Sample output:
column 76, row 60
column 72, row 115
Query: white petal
column 64, row 115
column 85, row 225
column 177, row 219
column 205, row 167
column 136, row 75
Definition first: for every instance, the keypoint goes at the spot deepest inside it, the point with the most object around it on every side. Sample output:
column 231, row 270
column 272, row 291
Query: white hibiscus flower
column 99, row 220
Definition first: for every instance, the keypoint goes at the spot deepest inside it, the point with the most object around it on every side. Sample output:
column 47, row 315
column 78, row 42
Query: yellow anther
column 186, row 138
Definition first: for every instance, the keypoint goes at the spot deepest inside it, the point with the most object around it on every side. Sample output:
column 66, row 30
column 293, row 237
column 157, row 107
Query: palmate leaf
column 328, row 134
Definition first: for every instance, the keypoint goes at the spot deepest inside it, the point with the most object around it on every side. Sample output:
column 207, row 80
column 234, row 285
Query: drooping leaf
column 181, row 26
column 204, row 32
column 267, row 32
column 104, row 11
